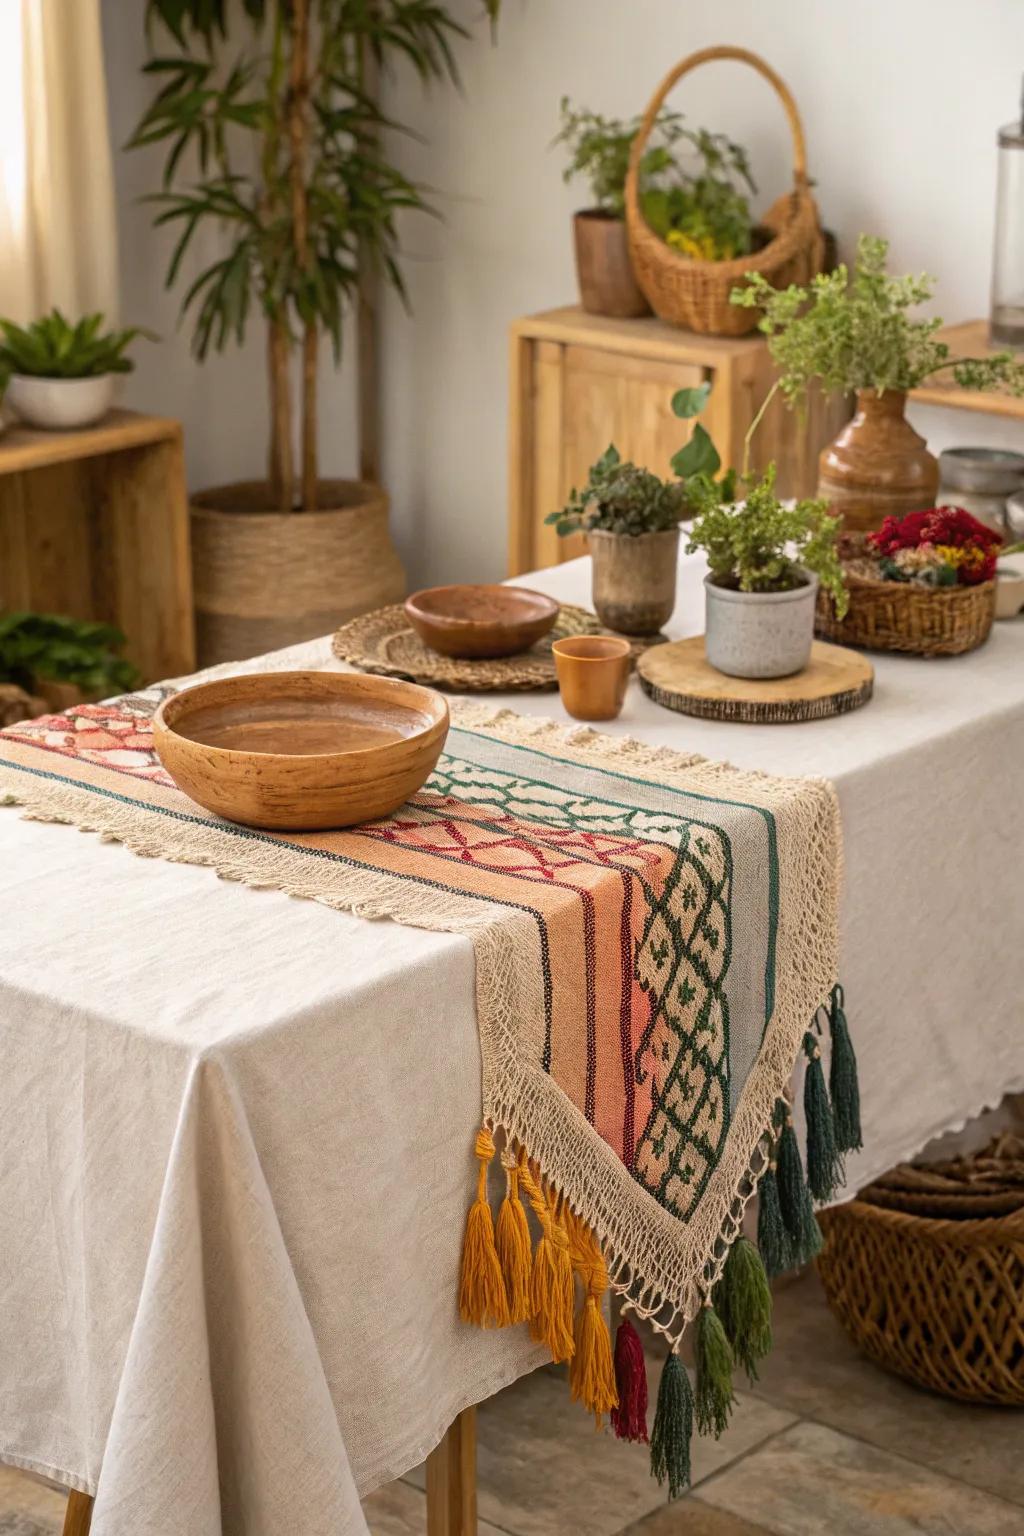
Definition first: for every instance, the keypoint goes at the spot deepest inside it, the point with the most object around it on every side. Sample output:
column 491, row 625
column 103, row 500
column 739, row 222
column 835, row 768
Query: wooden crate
column 94, row 524
column 579, row 382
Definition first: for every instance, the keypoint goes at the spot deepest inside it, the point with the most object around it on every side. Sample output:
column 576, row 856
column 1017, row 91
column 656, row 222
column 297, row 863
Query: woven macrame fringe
column 507, row 1278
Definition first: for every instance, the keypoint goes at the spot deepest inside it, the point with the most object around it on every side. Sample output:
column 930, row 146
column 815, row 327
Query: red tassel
column 629, row 1419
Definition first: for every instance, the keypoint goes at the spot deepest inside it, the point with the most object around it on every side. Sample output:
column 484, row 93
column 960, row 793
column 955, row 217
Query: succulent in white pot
column 61, row 375
column 766, row 561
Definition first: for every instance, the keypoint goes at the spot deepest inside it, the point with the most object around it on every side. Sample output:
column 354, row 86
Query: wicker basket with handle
column 902, row 615
column 693, row 293
column 936, row 1301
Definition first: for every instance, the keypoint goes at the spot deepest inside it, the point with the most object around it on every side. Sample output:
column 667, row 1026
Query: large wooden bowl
column 480, row 621
column 301, row 750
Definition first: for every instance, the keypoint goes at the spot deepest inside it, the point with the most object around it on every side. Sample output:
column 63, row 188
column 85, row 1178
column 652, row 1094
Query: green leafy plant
column 599, row 149
column 855, row 331
column 700, row 210
column 275, row 143
column 53, row 348
column 35, row 646
column 705, row 212
column 623, row 498
column 761, row 545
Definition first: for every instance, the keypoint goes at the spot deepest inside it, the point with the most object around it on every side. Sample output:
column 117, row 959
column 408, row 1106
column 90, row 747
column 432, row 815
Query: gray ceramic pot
column 634, row 579
column 759, row 634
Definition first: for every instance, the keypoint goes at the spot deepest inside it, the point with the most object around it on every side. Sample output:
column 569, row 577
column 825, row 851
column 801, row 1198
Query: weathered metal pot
column 634, row 579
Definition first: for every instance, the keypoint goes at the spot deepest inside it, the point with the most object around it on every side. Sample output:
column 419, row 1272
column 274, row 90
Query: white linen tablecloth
column 237, row 1128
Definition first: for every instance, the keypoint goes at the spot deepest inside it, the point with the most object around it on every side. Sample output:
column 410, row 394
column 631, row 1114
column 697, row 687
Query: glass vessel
column 1007, row 322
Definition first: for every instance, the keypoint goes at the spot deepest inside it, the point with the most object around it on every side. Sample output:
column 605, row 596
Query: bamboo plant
column 275, row 136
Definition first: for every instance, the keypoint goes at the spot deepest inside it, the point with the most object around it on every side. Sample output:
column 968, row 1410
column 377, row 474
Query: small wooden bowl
column 301, row 750
column 480, row 621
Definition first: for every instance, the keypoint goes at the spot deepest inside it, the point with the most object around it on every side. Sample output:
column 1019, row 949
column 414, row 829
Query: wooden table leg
column 78, row 1515
column 451, row 1480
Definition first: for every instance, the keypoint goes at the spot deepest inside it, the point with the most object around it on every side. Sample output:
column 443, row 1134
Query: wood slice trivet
column 385, row 643
column 680, row 677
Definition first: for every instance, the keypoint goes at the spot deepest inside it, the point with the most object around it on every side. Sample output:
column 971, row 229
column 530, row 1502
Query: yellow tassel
column 551, row 1287
column 592, row 1371
column 482, row 1296
column 513, row 1244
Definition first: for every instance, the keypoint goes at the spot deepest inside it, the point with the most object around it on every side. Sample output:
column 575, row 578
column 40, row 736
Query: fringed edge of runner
column 552, row 1277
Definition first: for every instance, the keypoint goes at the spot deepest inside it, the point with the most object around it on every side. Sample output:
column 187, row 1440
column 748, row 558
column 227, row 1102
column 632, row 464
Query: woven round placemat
column 385, row 643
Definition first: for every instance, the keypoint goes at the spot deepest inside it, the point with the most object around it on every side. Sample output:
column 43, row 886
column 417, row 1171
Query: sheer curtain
column 58, row 239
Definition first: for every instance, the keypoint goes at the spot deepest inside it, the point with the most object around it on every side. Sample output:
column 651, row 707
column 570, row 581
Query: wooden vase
column 264, row 578
column 878, row 465
column 634, row 579
column 603, row 267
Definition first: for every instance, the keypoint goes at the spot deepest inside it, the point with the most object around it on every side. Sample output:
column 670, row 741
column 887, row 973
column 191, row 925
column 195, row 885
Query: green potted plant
column 766, row 561
column 854, row 333
column 275, row 149
column 631, row 518
column 598, row 148
column 61, row 375
column 48, row 661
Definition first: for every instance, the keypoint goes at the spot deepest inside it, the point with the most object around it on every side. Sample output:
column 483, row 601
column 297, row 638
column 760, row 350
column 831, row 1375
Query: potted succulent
column 700, row 211
column 766, row 561
column 631, row 518
column 854, row 333
column 275, row 150
column 58, row 375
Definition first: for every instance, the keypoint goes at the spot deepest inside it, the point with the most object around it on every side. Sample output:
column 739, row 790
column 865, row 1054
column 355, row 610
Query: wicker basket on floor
column 693, row 293
column 939, row 1302
column 901, row 615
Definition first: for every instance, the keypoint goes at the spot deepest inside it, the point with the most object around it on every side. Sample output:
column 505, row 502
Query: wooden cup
column 593, row 671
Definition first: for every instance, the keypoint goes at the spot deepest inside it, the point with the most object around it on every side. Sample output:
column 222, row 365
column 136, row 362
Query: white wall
column 901, row 101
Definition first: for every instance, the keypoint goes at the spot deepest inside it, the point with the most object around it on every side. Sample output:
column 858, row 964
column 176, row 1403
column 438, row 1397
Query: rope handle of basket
column 694, row 61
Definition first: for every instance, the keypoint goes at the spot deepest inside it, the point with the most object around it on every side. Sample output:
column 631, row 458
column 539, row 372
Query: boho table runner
column 655, row 940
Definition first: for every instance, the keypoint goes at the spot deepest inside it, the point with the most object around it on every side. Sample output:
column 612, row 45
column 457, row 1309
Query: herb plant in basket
column 766, row 562
column 855, row 333
column 631, row 518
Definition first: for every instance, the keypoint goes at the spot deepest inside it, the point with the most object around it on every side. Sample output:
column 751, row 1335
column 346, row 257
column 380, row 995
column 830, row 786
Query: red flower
column 936, row 525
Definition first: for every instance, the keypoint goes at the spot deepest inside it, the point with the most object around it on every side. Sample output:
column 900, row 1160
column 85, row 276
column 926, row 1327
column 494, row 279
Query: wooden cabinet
column 580, row 382
column 94, row 524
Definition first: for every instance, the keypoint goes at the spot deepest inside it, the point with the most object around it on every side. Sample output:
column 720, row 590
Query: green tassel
column 714, row 1397
column 824, row 1164
column 798, row 1218
column 673, row 1428
column 743, row 1301
column 842, row 1079
column 772, row 1237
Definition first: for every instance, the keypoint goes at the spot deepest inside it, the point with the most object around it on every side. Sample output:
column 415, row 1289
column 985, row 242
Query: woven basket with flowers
column 923, row 584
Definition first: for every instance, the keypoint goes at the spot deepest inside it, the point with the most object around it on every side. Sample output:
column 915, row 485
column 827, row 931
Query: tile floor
column 826, row 1445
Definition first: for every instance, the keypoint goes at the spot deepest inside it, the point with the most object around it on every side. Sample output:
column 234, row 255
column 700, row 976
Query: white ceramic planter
column 60, row 404
column 759, row 634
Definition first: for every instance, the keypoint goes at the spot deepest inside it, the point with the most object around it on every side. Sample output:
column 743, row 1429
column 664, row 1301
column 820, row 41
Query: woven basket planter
column 901, row 616
column 265, row 579
column 938, row 1302
column 695, row 294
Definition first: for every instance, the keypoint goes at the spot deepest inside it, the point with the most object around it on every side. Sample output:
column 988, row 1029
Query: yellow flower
column 702, row 249
column 957, row 555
